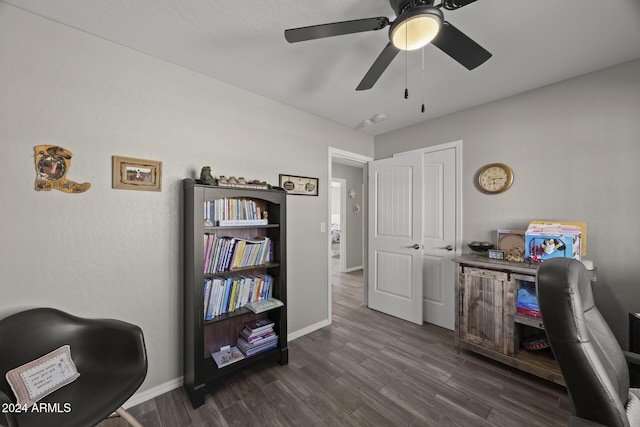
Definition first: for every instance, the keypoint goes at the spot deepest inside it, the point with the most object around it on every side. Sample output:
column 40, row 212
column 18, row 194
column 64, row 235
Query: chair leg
column 128, row 417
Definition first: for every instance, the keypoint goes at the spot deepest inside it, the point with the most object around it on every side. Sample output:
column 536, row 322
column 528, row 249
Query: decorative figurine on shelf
column 515, row 255
column 242, row 181
column 222, row 180
column 261, row 184
column 52, row 165
column 206, row 177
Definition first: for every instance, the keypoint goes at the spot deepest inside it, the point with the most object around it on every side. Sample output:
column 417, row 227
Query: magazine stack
column 256, row 337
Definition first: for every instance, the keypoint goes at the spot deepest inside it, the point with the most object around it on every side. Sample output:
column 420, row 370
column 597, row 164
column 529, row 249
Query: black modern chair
column 593, row 365
column 109, row 354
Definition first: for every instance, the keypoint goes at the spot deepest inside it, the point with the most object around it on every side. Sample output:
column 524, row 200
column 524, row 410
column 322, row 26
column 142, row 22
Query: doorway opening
column 347, row 230
column 338, row 223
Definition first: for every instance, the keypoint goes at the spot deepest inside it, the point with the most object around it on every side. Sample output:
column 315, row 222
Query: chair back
column 590, row 358
column 110, row 356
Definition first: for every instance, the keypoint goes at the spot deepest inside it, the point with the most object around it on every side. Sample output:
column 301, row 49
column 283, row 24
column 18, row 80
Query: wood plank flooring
column 368, row 369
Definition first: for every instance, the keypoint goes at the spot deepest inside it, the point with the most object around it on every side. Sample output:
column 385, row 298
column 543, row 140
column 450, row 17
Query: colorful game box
column 548, row 240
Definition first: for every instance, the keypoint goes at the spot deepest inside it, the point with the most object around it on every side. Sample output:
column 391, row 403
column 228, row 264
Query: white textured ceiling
column 534, row 43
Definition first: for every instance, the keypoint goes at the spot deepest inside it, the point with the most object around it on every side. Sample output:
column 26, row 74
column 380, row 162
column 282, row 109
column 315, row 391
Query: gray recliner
column 593, row 365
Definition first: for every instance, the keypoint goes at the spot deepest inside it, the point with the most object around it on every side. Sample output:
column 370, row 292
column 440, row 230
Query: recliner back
column 590, row 358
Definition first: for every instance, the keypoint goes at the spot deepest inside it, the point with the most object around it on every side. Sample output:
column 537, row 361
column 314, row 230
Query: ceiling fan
column 418, row 23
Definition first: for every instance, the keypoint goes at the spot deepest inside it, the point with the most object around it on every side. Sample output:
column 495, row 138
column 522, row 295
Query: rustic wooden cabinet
column 487, row 321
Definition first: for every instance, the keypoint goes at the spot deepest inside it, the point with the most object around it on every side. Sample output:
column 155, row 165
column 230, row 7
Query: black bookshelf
column 202, row 337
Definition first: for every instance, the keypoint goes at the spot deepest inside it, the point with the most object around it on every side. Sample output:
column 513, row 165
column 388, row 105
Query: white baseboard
column 156, row 391
column 348, row 270
column 153, row 392
column 301, row 332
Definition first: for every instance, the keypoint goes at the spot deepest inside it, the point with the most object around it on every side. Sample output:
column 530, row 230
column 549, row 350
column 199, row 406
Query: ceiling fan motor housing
column 400, row 6
column 425, row 21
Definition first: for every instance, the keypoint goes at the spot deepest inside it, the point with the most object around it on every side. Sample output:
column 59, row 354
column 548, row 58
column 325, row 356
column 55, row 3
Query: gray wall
column 116, row 253
column 354, row 222
column 574, row 147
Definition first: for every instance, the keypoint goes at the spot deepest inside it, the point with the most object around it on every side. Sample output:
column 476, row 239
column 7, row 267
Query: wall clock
column 495, row 178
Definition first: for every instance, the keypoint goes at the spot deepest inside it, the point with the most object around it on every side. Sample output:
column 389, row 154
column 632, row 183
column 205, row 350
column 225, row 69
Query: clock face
column 495, row 178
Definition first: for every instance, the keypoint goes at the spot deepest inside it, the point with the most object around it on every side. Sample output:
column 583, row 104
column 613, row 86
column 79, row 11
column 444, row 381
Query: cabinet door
column 482, row 311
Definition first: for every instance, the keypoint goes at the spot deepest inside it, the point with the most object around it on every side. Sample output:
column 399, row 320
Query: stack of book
column 256, row 337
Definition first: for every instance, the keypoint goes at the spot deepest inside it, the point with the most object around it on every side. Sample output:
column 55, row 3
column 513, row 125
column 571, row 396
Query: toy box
column 544, row 241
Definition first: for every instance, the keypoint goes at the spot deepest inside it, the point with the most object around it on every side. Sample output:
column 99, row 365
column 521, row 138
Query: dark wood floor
column 368, row 369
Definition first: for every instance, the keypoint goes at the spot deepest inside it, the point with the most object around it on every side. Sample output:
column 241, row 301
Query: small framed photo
column 300, row 185
column 137, row 174
column 494, row 254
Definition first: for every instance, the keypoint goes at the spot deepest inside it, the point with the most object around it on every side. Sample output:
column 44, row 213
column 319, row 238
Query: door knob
column 415, row 246
column 448, row 247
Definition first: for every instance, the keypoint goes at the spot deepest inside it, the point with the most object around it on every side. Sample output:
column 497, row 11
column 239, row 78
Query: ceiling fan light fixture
column 416, row 27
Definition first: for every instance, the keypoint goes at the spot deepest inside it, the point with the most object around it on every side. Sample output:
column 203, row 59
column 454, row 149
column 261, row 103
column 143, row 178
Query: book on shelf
column 207, row 296
column 263, row 305
column 227, row 355
column 248, row 337
column 249, row 252
column 258, row 326
column 223, row 253
column 263, row 340
column 248, row 350
column 224, row 212
column 224, row 294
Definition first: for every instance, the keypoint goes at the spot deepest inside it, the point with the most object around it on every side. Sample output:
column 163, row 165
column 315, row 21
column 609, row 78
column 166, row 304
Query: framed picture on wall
column 137, row 174
column 299, row 185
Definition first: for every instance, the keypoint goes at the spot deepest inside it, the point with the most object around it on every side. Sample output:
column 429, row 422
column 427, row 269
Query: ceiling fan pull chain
column 406, row 64
column 422, row 80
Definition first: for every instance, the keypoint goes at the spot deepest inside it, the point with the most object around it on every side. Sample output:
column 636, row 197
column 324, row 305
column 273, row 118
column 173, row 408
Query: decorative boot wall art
column 52, row 165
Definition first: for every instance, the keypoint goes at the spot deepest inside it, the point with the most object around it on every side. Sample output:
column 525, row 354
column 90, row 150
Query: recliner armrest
column 581, row 422
column 632, row 358
column 6, row 418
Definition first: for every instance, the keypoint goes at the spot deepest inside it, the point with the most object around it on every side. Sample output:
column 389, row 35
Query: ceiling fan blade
column 381, row 63
column 460, row 47
column 455, row 4
column 335, row 29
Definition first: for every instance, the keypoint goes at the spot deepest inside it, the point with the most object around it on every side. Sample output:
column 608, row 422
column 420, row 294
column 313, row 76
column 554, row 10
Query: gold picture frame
column 137, row 174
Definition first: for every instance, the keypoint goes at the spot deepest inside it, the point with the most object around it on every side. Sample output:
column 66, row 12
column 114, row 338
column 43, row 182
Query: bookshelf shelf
column 239, row 312
column 238, row 227
column 244, row 269
column 223, row 290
